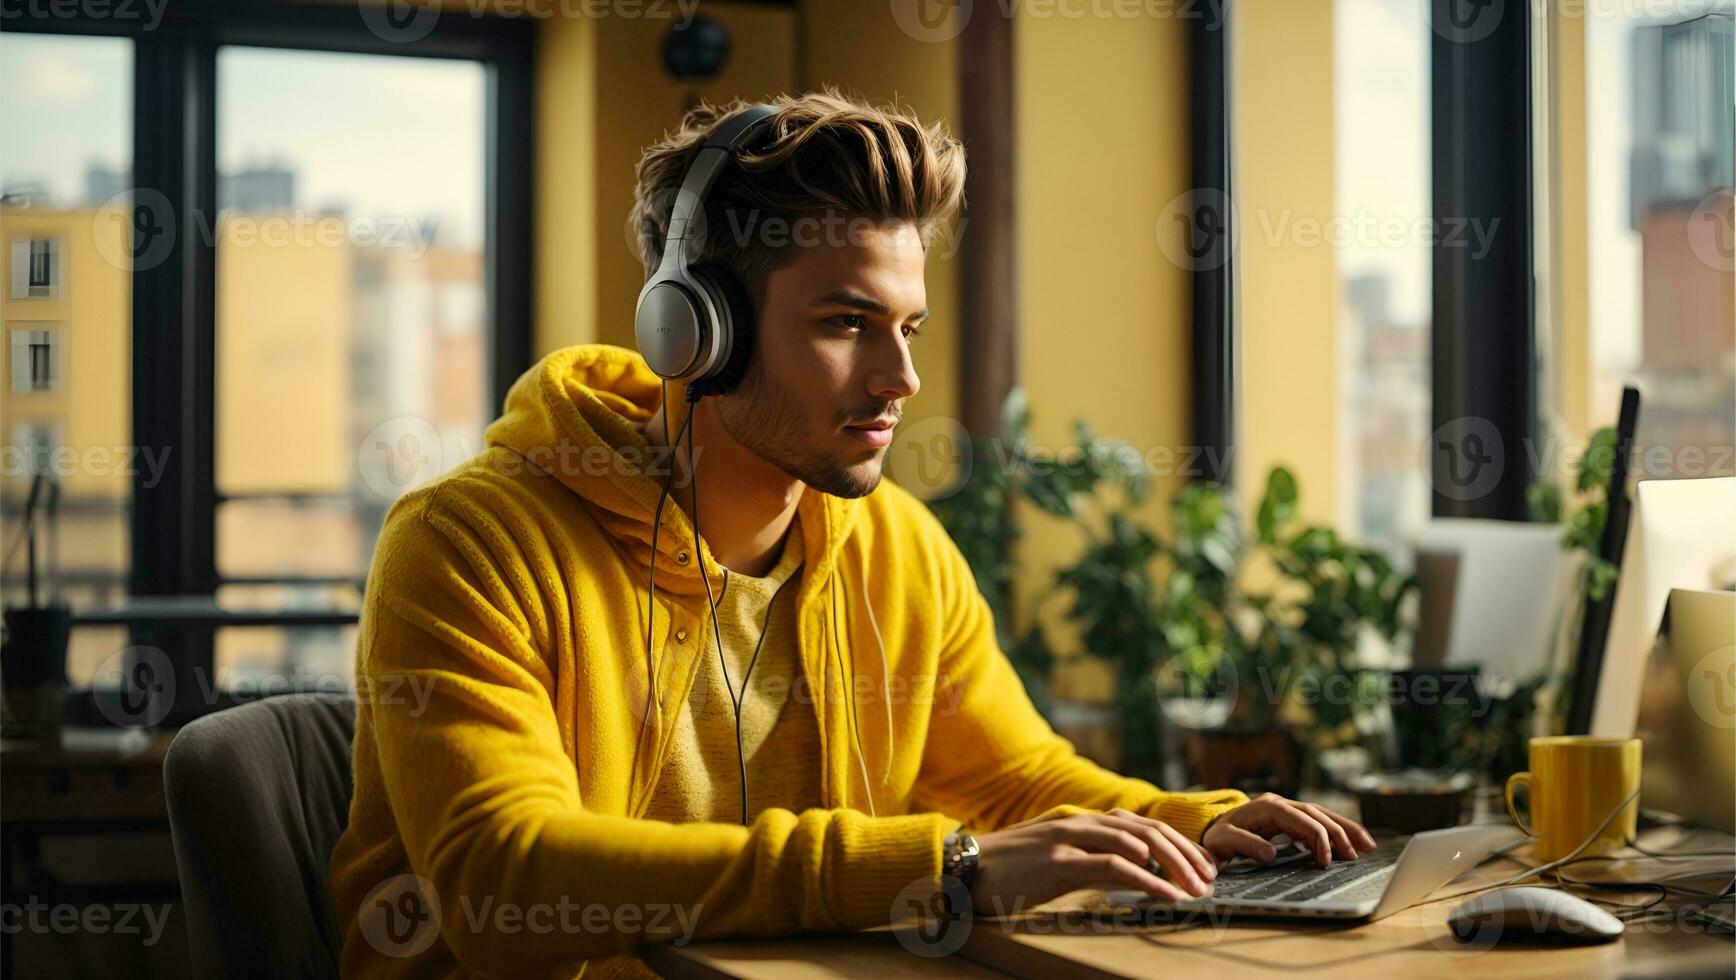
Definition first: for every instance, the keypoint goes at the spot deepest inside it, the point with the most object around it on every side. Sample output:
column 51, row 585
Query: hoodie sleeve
column 992, row 757
column 487, row 802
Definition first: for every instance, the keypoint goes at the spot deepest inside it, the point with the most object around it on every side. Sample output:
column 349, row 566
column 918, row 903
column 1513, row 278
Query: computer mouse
column 1533, row 913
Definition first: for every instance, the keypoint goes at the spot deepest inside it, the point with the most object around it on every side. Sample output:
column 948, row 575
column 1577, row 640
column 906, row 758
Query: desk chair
column 257, row 797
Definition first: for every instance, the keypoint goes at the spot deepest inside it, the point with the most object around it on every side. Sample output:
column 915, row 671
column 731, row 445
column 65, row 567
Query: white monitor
column 1510, row 582
column 1681, row 535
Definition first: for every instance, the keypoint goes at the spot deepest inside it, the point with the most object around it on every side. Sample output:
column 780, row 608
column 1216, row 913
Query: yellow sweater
column 510, row 739
column 781, row 743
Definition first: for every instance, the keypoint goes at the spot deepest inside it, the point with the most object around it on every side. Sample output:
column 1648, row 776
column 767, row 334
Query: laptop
column 1400, row 873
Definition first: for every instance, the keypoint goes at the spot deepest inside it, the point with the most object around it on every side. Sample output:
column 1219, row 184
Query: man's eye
column 853, row 320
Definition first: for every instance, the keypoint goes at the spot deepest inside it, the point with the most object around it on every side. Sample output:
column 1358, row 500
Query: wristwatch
column 958, row 869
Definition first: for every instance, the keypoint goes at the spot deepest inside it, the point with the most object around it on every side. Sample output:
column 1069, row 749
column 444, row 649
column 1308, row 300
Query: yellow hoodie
column 508, row 738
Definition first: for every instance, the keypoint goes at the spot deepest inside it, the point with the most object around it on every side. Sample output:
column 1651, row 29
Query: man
column 813, row 714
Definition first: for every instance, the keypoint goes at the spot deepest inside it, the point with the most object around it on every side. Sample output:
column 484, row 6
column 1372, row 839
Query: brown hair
column 826, row 154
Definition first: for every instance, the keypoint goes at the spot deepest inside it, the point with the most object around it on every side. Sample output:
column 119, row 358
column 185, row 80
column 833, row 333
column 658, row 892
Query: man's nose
column 894, row 377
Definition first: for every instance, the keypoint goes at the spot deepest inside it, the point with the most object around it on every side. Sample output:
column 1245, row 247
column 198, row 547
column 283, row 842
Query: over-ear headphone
column 694, row 321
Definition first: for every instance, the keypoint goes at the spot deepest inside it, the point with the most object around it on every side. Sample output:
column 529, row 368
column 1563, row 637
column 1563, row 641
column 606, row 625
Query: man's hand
column 1035, row 861
column 1244, row 831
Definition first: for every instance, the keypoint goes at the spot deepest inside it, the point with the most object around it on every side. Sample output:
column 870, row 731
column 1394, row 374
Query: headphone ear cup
column 741, row 329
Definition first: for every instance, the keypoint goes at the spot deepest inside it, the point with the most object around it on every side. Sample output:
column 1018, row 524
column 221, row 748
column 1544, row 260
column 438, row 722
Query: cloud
column 57, row 79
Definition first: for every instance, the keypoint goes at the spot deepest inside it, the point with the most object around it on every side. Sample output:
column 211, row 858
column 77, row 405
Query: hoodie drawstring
column 885, row 679
column 885, row 674
column 850, row 702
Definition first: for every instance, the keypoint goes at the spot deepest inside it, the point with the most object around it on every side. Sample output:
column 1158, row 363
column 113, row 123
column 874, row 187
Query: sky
column 67, row 100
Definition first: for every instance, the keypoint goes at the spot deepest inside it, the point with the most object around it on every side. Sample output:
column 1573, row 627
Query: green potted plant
column 1290, row 629
column 1185, row 640
column 1094, row 489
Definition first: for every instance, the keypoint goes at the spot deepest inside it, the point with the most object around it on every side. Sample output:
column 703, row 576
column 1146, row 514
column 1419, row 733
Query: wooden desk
column 90, row 781
column 875, row 953
column 1061, row 940
column 111, row 776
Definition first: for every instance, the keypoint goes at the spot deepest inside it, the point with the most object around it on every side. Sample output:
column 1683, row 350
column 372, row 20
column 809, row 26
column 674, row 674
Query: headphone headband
column 702, row 173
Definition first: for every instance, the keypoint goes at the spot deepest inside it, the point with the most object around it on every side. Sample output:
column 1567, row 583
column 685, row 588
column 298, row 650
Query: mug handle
column 1514, row 782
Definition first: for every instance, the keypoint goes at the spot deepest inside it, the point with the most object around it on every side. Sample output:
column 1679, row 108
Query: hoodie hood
column 573, row 415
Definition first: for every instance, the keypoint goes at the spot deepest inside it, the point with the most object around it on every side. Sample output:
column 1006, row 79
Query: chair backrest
column 257, row 798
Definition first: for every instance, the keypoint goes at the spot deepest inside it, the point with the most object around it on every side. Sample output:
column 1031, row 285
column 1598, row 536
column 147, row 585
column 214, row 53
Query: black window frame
column 173, row 520
column 1483, row 331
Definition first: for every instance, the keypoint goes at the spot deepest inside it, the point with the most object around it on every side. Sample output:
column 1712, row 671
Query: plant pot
column 1253, row 760
column 1412, row 800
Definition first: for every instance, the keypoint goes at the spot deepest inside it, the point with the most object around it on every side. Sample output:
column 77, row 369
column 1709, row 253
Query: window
column 35, row 359
column 35, row 268
column 1659, row 184
column 350, row 285
column 240, row 417
column 1378, row 323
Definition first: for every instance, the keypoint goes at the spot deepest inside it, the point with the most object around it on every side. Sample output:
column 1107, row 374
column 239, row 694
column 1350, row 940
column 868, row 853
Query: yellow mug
column 1575, row 782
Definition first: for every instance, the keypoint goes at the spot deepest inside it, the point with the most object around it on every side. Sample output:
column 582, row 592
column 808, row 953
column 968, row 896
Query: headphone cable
column 656, row 527
column 711, row 601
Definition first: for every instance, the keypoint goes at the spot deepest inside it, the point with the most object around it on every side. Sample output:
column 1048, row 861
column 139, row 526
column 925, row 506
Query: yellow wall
column 565, row 302
column 1104, row 316
column 1568, row 276
column 1287, row 284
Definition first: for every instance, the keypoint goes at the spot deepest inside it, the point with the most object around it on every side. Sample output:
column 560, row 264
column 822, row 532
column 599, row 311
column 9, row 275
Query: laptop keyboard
column 1299, row 884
